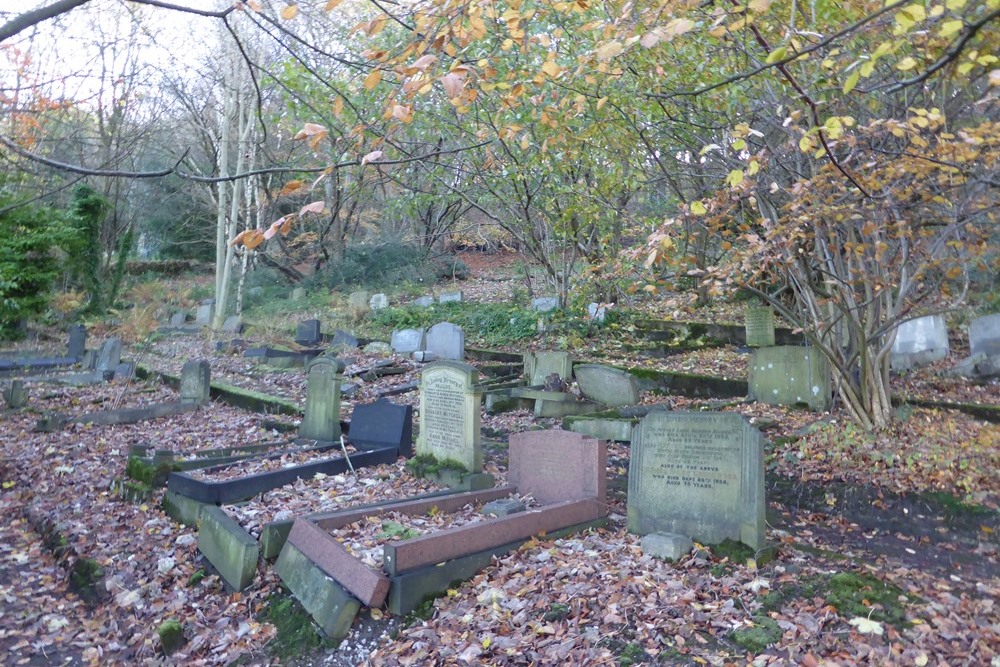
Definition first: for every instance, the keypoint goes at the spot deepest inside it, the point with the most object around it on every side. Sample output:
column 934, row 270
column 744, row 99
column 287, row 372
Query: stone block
column 607, row 385
column 424, row 302
column 332, row 607
column 544, row 304
column 505, row 507
column 229, row 548
column 369, row 586
column 450, row 297
column 378, row 301
column 666, row 545
column 617, row 429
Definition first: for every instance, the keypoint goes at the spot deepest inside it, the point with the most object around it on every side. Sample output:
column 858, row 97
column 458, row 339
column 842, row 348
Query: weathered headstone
column 203, row 316
column 544, row 304
column 449, row 414
column 697, row 474
column 298, row 294
column 555, row 466
column 383, row 424
column 77, row 341
column 178, row 319
column 790, row 375
column 597, row 312
column 919, row 342
column 322, row 414
column 607, row 385
column 407, row 341
column 760, row 326
column 233, row 324
column 378, row 301
column 423, row 301
column 540, row 365
column 196, row 382
column 359, row 299
column 446, row 340
column 110, row 354
column 16, row 394
column 308, row 333
column 343, row 338
column 450, row 297
column 377, row 347
column 984, row 335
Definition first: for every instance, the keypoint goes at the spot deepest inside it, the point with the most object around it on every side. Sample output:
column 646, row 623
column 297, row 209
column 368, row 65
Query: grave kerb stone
column 449, row 414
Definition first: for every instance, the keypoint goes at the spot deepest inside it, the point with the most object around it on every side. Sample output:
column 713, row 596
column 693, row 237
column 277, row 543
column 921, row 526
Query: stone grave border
column 236, row 397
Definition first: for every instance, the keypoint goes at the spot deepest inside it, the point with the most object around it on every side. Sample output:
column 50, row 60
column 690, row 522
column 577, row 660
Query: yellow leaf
column 604, row 100
column 487, row 641
column 377, row 614
column 915, row 11
column 806, row 144
column 867, row 68
column 739, row 144
column 867, row 626
column 759, row 6
column 949, row 28
column 525, row 142
column 609, row 50
column 965, row 68
column 735, row 177
column 776, row 55
column 995, row 77
column 373, row 79
column 551, row 68
column 753, row 168
column 698, row 208
column 718, row 31
column 649, row 288
column 677, row 27
column 852, row 81
column 374, row 155
column 331, row 4
column 338, row 106
column 954, row 5
column 289, row 12
column 906, row 63
column 920, row 660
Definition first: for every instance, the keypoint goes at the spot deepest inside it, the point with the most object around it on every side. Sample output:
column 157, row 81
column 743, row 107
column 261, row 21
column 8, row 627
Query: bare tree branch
column 36, row 16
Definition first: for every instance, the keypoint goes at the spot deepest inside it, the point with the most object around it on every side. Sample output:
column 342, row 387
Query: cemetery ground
column 881, row 549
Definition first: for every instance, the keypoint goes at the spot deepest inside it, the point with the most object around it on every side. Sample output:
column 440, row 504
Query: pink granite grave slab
column 555, row 466
column 447, row 503
column 451, row 543
column 332, row 558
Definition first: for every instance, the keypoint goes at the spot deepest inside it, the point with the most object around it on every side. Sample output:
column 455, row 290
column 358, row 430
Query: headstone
column 203, row 317
column 178, row 319
column 377, row 347
column 322, row 414
column 16, row 395
column 407, row 341
column 89, row 360
column 446, row 340
column 308, row 333
column 544, row 304
column 697, row 474
column 790, row 375
column 359, row 299
column 597, row 312
column 378, row 301
column 759, row 324
column 556, row 466
column 77, row 341
column 449, row 414
column 540, row 365
column 343, row 338
column 196, row 382
column 450, row 297
column 383, row 424
column 233, row 324
column 298, row 294
column 607, row 385
column 110, row 354
column 984, row 335
column 424, row 301
column 918, row 342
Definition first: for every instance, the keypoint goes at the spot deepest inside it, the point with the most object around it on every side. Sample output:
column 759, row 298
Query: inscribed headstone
column 556, row 466
column 450, row 297
column 984, row 335
column 378, row 301
column 322, row 415
column 607, row 385
column 424, row 301
column 308, row 333
column 383, row 424
column 760, row 327
column 919, row 342
column 449, row 414
column 699, row 474
column 196, row 382
column 77, row 344
column 790, row 375
column 544, row 304
column 110, row 354
column 540, row 365
column 405, row 341
column 446, row 340
column 203, row 317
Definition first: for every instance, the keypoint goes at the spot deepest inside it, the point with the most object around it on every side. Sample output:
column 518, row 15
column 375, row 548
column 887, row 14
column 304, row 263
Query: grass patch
column 954, row 508
column 297, row 634
column 754, row 639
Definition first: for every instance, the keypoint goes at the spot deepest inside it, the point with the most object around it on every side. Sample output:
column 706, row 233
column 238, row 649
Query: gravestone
column 178, row 319
column 377, row 347
column 919, row 342
column 450, row 297
column 343, row 338
column 540, row 365
column 110, row 355
column 196, row 382
column 597, row 312
column 407, row 341
column 760, row 327
column 544, row 304
column 16, row 394
column 378, row 301
column 790, row 375
column 607, row 385
column 984, row 335
column 77, row 341
column 449, row 414
column 697, row 474
column 556, row 466
column 446, row 340
column 383, row 424
column 203, row 317
column 424, row 302
column 322, row 415
column 298, row 294
column 308, row 333
column 233, row 324
column 359, row 299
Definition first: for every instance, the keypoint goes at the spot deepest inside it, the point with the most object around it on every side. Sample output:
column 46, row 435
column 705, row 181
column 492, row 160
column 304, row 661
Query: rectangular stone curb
column 618, row 429
column 232, row 550
column 327, row 602
column 445, row 503
column 410, row 589
column 182, row 509
column 444, row 545
column 332, row 558
column 565, row 408
column 133, row 415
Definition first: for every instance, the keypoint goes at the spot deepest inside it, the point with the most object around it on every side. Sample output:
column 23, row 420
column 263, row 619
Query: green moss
column 954, row 508
column 392, row 530
column 764, row 632
column 135, row 492
column 86, row 578
column 171, row 636
column 428, row 464
column 296, row 633
column 855, row 594
column 196, row 578
column 556, row 612
column 152, row 475
column 633, row 654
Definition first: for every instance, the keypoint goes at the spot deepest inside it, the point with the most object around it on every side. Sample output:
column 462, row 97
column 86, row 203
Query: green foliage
column 387, row 264
column 297, row 634
column 764, row 632
column 490, row 323
column 87, row 578
column 148, row 474
column 196, row 578
column 97, row 268
column 391, row 530
column 428, row 464
column 171, row 635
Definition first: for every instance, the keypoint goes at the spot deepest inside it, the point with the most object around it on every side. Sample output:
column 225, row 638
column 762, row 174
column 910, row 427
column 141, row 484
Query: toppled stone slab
column 666, row 545
column 607, row 385
column 332, row 607
column 229, row 548
column 330, row 556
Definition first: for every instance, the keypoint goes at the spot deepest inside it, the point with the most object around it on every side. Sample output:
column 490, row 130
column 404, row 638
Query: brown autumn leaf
column 288, row 12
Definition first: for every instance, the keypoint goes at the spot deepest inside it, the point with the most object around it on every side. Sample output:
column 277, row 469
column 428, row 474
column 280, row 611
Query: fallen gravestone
column 919, row 342
column 233, row 324
column 540, row 365
column 984, row 335
column 343, row 339
column 308, row 333
column 790, row 375
column 607, row 385
column 449, row 415
column 424, row 301
column 322, row 413
column 408, row 341
column 446, row 340
column 377, row 347
column 196, row 382
column 697, row 475
column 760, row 327
column 378, row 301
column 450, row 297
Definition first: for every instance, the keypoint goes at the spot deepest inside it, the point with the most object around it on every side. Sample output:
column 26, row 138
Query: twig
column 347, row 458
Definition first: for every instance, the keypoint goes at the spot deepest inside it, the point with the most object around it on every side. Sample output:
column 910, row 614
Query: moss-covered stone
column 757, row 637
column 171, row 636
column 297, row 635
column 86, row 579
